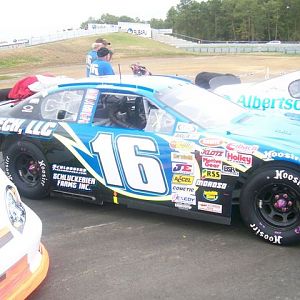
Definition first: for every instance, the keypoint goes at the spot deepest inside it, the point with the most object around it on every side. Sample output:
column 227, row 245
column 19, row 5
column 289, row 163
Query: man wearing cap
column 102, row 65
column 92, row 54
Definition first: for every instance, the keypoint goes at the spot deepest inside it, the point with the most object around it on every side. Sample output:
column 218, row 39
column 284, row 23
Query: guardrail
column 243, row 48
column 61, row 35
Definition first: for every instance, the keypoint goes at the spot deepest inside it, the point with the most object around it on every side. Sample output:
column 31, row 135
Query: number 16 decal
column 133, row 162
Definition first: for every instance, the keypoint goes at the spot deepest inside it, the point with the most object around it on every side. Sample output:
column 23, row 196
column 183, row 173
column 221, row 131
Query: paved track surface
column 112, row 252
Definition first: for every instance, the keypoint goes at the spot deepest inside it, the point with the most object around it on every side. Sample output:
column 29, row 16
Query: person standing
column 92, row 54
column 102, row 65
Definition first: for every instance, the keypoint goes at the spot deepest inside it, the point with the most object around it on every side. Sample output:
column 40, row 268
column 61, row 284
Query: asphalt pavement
column 111, row 252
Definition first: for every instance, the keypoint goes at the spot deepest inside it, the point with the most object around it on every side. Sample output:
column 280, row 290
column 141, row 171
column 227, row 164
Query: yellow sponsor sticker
column 183, row 179
column 210, row 174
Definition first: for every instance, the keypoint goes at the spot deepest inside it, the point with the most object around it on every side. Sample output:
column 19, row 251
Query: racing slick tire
column 210, row 80
column 26, row 166
column 270, row 204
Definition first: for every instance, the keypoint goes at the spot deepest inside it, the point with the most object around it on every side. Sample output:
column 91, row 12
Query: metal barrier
column 244, row 48
column 58, row 36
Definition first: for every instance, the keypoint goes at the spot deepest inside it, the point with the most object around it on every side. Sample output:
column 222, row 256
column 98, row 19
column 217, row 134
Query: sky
column 27, row 18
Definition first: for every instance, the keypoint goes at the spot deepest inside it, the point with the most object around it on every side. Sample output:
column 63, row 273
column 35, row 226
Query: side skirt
column 148, row 206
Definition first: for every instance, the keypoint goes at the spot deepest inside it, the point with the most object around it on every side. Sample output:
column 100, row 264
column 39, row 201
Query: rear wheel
column 26, row 166
column 270, row 204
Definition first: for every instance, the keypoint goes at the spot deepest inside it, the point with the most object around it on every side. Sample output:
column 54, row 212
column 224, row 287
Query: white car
column 279, row 94
column 24, row 261
column 274, row 42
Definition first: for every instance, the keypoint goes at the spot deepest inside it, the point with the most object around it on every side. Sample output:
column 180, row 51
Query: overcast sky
column 26, row 18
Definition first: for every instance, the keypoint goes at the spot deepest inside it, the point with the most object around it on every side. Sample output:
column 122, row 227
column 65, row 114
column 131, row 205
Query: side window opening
column 62, row 106
column 134, row 111
column 160, row 121
column 123, row 111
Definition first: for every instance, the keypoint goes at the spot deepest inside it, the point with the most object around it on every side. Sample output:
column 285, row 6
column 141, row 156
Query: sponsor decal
column 211, row 142
column 182, row 188
column 212, row 152
column 282, row 174
column 183, row 206
column 275, row 239
column 6, row 167
column 183, row 179
column 182, row 198
column 183, row 168
column 185, row 127
column 211, row 195
column 210, row 174
column 43, row 171
column 40, row 128
column 74, row 181
column 88, row 106
column 36, row 100
column 11, row 125
column 255, row 102
column 181, row 146
column 27, row 108
column 229, row 170
column 274, row 154
column 211, row 184
column 211, row 163
column 67, row 169
column 210, row 207
column 239, row 158
column 187, row 136
column 175, row 156
column 242, row 148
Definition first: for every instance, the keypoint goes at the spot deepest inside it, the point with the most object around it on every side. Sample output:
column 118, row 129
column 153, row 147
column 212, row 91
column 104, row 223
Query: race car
column 279, row 94
column 24, row 260
column 156, row 143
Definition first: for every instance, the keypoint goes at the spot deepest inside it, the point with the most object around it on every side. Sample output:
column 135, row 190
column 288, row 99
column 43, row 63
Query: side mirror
column 294, row 89
column 61, row 114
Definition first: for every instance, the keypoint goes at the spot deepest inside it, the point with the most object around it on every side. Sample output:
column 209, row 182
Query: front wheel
column 26, row 166
column 270, row 204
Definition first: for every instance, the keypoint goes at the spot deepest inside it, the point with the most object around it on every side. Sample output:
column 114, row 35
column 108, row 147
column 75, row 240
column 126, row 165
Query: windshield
column 206, row 109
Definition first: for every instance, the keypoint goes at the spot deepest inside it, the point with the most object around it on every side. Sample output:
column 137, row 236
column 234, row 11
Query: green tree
column 158, row 24
column 244, row 20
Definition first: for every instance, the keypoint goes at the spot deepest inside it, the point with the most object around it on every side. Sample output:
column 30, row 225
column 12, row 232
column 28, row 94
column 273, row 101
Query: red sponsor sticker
column 211, row 142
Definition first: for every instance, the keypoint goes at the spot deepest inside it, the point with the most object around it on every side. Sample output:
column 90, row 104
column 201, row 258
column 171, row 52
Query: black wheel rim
column 28, row 169
column 278, row 205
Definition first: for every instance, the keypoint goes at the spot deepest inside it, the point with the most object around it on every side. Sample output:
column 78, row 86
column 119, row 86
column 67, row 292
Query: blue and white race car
column 24, row 260
column 160, row 144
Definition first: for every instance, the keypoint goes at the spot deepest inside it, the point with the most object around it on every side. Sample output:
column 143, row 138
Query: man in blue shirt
column 92, row 54
column 102, row 65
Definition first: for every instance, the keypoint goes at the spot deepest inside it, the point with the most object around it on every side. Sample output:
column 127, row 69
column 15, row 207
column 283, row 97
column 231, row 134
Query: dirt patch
column 247, row 67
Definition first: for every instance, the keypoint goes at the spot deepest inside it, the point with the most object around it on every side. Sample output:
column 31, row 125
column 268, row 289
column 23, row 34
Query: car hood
column 277, row 132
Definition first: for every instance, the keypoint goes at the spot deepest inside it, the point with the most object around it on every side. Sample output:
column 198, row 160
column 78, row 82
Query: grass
column 73, row 51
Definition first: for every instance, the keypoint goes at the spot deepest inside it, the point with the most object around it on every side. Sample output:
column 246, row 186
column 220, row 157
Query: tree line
column 227, row 20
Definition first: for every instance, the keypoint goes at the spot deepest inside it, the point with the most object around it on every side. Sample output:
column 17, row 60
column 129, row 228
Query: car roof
column 153, row 82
